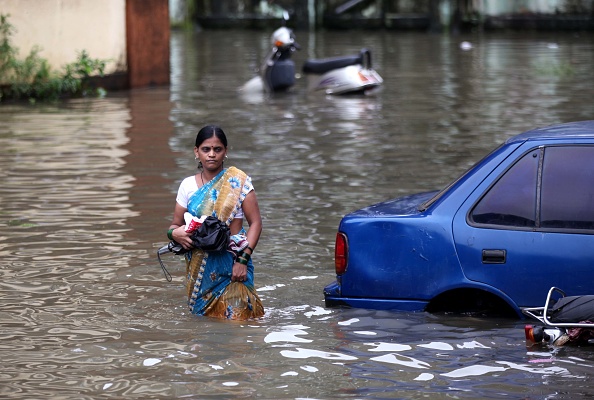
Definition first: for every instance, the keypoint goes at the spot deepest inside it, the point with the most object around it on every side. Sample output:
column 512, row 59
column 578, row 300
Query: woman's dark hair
column 209, row 131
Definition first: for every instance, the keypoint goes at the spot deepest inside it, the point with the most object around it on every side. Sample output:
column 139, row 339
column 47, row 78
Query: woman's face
column 211, row 153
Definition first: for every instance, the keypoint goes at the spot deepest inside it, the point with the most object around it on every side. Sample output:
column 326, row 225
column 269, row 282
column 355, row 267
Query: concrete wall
column 519, row 6
column 63, row 28
column 177, row 11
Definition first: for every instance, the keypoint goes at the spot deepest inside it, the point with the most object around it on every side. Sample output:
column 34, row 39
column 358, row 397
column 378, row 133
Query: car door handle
column 494, row 256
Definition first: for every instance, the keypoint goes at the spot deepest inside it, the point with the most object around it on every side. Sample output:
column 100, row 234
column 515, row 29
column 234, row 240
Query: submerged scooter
column 343, row 75
column 277, row 73
column 278, row 70
column 335, row 76
column 564, row 320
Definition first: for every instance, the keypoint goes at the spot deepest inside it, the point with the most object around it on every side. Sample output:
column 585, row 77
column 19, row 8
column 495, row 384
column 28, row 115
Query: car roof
column 579, row 129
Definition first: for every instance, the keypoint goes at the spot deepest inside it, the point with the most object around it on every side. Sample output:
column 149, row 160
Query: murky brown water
column 87, row 192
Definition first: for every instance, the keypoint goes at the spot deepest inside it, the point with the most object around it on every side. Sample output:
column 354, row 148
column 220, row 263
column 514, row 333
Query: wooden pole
column 147, row 42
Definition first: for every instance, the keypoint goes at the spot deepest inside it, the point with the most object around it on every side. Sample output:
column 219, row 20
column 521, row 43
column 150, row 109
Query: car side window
column 568, row 188
column 511, row 201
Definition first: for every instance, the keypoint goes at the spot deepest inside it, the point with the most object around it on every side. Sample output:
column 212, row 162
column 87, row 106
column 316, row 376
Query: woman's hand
column 239, row 273
column 179, row 233
column 182, row 237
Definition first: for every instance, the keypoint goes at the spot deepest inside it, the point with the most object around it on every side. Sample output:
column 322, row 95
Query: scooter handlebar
column 365, row 55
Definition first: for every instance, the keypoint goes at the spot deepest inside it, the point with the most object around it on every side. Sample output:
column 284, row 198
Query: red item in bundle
column 193, row 225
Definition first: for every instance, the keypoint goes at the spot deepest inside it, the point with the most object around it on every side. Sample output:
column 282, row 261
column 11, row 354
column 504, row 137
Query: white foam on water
column 388, row 347
column 535, row 370
column 401, row 360
column 349, row 322
column 438, row 346
column 472, row 345
column 474, row 370
column 317, row 311
column 307, row 353
column 309, row 368
column 270, row 287
column 368, row 333
column 424, row 377
column 288, row 334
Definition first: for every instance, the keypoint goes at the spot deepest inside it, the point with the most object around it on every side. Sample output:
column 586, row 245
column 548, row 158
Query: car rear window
column 511, row 201
column 568, row 188
column 565, row 200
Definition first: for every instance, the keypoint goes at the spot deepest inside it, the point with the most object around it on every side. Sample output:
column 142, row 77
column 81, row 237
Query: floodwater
column 87, row 192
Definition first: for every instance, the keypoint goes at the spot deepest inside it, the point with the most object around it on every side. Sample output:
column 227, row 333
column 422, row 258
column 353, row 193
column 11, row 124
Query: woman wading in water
column 219, row 284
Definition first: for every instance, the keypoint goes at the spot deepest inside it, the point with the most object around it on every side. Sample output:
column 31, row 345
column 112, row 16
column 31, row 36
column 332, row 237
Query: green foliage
column 560, row 70
column 76, row 74
column 6, row 50
column 33, row 79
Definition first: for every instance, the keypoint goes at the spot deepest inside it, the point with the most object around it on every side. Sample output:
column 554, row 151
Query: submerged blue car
column 492, row 242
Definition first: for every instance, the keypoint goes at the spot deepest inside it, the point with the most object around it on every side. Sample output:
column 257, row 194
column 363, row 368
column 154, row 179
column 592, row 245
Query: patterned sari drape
column 209, row 287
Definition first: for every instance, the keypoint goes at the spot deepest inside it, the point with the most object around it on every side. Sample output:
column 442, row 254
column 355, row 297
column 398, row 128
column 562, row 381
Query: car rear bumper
column 333, row 298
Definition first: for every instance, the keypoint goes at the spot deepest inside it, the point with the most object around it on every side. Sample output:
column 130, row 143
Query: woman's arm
column 251, row 211
column 179, row 225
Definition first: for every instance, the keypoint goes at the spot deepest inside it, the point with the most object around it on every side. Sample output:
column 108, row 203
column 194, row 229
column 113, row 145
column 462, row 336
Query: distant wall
column 177, row 11
column 501, row 7
column 63, row 28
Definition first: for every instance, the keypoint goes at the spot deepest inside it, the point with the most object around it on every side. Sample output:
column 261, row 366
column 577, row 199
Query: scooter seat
column 573, row 309
column 323, row 65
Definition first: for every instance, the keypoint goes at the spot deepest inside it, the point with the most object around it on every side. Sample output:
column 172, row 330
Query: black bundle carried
column 211, row 236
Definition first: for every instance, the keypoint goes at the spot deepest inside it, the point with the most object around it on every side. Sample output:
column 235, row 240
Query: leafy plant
column 33, row 79
column 559, row 70
column 77, row 73
column 6, row 50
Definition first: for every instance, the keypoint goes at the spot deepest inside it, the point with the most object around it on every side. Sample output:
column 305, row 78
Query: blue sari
column 209, row 287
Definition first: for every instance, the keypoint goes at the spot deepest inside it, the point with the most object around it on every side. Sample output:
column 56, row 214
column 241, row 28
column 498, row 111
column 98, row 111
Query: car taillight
column 341, row 253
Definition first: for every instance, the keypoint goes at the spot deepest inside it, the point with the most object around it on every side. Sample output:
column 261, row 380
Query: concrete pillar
column 147, row 42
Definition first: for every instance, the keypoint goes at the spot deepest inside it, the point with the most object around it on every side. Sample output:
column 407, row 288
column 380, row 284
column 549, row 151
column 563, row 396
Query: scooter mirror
column 282, row 37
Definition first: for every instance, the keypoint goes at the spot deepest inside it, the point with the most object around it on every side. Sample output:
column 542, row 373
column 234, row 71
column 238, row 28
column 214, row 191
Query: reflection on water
column 87, row 191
